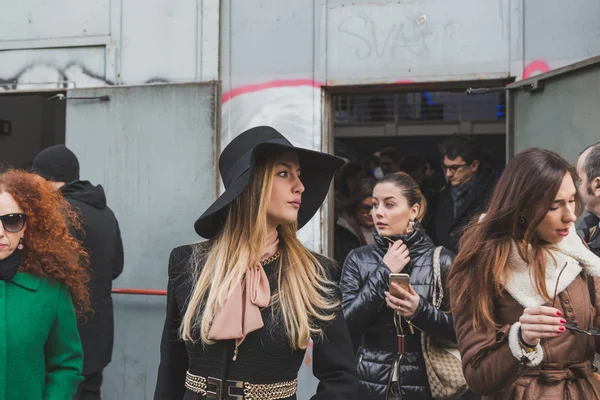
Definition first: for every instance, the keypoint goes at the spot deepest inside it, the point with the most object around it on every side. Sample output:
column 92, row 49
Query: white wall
column 96, row 43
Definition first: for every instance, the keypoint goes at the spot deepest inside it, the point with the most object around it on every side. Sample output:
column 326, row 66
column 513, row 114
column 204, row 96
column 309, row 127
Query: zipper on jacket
column 360, row 358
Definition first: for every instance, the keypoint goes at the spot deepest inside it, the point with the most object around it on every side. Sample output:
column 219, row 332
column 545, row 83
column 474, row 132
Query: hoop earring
column 411, row 227
column 20, row 246
column 521, row 222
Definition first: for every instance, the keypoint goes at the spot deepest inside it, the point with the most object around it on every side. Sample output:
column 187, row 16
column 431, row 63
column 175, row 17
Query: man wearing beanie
column 102, row 238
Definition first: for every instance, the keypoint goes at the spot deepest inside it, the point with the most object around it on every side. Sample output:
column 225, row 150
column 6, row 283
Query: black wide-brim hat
column 237, row 162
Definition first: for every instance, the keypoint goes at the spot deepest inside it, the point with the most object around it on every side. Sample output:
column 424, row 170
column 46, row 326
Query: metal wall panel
column 35, row 19
column 562, row 115
column 152, row 148
column 370, row 42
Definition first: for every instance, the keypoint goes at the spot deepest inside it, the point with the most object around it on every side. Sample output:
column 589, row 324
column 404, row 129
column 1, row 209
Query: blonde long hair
column 305, row 296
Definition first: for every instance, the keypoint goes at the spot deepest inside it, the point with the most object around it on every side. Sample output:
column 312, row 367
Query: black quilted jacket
column 364, row 280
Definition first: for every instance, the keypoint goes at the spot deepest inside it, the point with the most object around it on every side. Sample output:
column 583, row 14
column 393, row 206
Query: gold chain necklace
column 271, row 259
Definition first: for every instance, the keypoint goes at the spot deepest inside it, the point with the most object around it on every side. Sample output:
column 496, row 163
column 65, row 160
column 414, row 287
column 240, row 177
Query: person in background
column 466, row 194
column 42, row 290
column 416, row 166
column 389, row 160
column 101, row 236
column 349, row 178
column 354, row 229
column 524, row 288
column 401, row 246
column 354, row 226
column 429, row 171
column 588, row 169
column 375, row 165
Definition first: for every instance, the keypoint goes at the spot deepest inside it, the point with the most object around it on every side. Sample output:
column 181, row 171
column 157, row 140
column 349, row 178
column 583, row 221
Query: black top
column 101, row 237
column 445, row 227
column 265, row 356
column 589, row 229
column 10, row 265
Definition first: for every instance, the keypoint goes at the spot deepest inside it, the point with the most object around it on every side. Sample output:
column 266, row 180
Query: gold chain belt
column 226, row 390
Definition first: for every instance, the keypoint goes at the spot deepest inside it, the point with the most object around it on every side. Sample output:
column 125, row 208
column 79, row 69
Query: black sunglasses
column 364, row 209
column 454, row 167
column 572, row 325
column 13, row 223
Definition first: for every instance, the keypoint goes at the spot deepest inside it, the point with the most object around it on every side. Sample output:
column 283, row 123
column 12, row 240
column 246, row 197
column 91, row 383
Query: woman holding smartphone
column 401, row 246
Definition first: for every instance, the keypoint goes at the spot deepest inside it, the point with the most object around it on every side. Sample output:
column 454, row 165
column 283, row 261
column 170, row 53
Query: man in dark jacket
column 465, row 196
column 588, row 168
column 101, row 236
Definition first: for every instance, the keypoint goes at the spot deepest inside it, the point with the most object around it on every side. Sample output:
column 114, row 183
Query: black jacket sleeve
column 333, row 363
column 119, row 259
column 170, row 384
column 428, row 318
column 361, row 300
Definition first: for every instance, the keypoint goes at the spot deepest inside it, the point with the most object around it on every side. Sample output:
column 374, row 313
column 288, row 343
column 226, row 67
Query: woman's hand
column 396, row 257
column 407, row 304
column 540, row 323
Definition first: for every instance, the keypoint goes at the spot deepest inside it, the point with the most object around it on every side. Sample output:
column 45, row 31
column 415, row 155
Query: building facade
column 185, row 76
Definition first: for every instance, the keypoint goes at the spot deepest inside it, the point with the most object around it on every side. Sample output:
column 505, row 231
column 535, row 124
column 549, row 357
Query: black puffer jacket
column 101, row 237
column 364, row 280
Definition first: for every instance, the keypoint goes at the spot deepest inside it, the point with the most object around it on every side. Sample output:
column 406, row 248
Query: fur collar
column 571, row 251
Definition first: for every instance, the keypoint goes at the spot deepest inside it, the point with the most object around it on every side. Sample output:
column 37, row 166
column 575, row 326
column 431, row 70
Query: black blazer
column 447, row 230
column 265, row 356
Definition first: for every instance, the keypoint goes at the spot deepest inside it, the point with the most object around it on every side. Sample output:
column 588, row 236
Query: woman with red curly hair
column 43, row 287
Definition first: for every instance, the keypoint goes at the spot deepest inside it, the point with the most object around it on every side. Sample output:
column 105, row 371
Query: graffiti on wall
column 49, row 76
column 41, row 76
column 397, row 39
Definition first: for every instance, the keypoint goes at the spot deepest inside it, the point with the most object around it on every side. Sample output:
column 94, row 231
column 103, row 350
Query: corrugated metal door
column 559, row 110
column 153, row 149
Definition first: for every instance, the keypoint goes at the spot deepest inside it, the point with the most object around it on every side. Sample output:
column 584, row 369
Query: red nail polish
column 559, row 313
column 561, row 328
column 562, row 321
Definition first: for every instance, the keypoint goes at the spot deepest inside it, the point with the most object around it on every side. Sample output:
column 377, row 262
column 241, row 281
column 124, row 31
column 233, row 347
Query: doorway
column 414, row 120
column 29, row 122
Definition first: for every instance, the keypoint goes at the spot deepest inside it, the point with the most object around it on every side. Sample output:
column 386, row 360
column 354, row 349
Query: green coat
column 40, row 350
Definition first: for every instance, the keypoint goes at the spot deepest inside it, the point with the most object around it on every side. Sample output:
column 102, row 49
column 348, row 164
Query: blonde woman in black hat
column 242, row 307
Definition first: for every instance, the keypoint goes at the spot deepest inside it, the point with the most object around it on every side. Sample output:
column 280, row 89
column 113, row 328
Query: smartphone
column 402, row 280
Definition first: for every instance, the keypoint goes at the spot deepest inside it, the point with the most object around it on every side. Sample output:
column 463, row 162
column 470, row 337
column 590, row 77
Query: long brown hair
column 525, row 192
column 49, row 249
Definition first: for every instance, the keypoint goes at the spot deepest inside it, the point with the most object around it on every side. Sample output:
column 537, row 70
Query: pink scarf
column 240, row 314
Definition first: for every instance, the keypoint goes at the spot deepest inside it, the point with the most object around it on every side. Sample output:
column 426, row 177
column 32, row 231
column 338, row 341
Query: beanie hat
column 57, row 163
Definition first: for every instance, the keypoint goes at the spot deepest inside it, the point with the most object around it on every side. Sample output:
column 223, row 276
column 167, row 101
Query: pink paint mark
column 540, row 66
column 268, row 85
column 307, row 359
column 404, row 81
